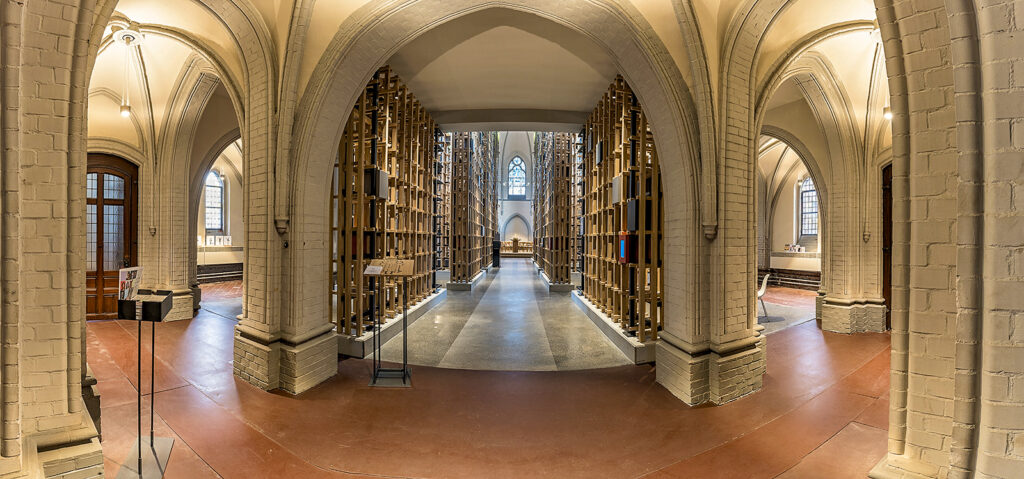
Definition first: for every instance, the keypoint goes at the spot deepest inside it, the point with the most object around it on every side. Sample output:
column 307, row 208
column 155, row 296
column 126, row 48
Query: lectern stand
column 149, row 456
column 377, row 270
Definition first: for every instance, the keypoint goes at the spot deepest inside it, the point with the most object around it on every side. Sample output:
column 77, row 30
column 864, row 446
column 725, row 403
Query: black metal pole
column 405, row 328
column 138, row 383
column 152, row 382
column 376, row 328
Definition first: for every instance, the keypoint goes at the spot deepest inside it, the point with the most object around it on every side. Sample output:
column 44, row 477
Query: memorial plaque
column 391, row 267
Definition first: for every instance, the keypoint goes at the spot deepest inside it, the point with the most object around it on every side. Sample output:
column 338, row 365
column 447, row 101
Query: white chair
column 760, row 293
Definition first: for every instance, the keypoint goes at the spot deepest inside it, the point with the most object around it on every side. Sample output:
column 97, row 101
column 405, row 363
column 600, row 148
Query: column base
column 70, row 451
column 308, row 364
column 738, row 373
column 684, row 375
column 91, row 398
column 293, row 368
column 79, row 461
column 710, row 376
column 852, row 316
column 895, row 466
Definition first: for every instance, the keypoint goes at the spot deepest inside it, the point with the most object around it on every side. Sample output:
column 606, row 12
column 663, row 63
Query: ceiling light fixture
column 131, row 38
column 887, row 113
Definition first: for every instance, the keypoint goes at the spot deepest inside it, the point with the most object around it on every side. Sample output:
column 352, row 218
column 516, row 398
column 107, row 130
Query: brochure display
column 375, row 272
column 148, row 459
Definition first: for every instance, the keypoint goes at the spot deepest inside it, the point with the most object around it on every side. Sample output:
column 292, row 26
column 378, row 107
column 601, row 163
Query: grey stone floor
column 782, row 316
column 508, row 322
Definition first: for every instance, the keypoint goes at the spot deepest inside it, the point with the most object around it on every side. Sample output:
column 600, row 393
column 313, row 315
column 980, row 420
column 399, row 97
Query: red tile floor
column 222, row 290
column 786, row 296
column 822, row 413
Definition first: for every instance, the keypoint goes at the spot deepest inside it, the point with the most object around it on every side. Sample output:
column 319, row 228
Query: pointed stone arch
column 383, row 27
column 517, row 216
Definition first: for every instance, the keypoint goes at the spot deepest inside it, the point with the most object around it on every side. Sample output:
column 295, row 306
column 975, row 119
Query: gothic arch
column 257, row 100
column 516, row 216
column 527, row 168
column 832, row 110
column 384, row 28
column 195, row 193
column 821, row 185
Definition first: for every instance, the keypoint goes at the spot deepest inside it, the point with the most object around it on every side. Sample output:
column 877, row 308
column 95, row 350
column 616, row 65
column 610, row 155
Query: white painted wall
column 784, row 224
column 516, row 219
column 235, row 228
column 513, row 144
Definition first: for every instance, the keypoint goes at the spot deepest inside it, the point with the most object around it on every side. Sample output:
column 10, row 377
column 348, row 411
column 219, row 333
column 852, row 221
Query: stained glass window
column 516, row 177
column 214, row 203
column 808, row 208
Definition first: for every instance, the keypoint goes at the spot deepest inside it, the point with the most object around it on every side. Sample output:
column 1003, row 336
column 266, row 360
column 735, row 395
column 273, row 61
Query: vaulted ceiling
column 500, row 69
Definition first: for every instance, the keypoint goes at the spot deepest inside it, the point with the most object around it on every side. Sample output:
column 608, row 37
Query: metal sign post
column 376, row 271
column 152, row 463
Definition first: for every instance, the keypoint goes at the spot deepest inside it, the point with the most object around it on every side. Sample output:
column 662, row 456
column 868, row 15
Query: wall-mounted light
column 887, row 113
column 131, row 38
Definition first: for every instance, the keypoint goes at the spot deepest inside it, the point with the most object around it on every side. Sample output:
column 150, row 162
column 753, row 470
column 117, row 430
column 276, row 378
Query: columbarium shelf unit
column 442, row 200
column 623, row 224
column 577, row 153
column 382, row 203
column 473, row 203
column 553, row 203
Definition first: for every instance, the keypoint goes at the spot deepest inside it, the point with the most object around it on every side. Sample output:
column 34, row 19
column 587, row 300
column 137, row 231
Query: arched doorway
column 657, row 84
column 516, row 227
column 789, row 232
column 111, row 230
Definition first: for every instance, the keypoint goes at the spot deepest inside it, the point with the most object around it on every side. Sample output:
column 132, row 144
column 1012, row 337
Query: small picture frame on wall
column 210, row 240
column 227, row 241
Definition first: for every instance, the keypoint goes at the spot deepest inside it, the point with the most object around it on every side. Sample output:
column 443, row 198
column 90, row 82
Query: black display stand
column 390, row 377
column 153, row 461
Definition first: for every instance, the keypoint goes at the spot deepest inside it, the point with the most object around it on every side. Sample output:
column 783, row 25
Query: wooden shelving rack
column 473, row 204
column 621, row 173
column 576, row 219
column 553, row 206
column 488, row 151
column 388, row 133
column 442, row 200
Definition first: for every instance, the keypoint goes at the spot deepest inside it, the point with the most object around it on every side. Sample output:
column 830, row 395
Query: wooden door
column 887, row 243
column 110, row 234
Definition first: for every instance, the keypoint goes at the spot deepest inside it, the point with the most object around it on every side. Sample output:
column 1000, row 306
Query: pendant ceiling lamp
column 130, row 38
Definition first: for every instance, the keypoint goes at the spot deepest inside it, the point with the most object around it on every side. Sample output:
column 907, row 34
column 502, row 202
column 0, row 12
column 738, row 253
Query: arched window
column 516, row 177
column 214, row 203
column 808, row 208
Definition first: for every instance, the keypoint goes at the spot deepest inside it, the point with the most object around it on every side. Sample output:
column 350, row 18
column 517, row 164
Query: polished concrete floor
column 222, row 298
column 508, row 322
column 822, row 413
column 785, row 307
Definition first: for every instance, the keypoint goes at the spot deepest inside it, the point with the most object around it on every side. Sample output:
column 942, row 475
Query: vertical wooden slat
column 620, row 127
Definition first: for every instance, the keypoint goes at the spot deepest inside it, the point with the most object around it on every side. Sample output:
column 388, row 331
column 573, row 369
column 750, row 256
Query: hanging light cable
column 126, row 107
column 131, row 38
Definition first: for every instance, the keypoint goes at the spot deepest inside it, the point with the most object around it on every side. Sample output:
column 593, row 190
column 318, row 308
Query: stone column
column 851, row 281
column 46, row 427
column 273, row 347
